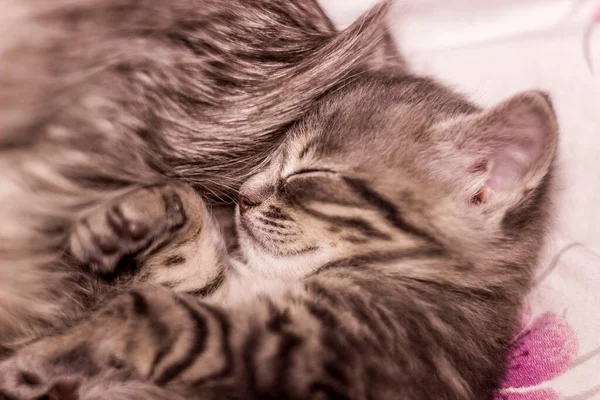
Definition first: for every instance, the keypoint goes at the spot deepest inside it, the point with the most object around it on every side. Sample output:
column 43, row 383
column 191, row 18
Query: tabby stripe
column 356, row 306
column 250, row 350
column 79, row 359
column 354, row 239
column 210, row 287
column 363, row 313
column 275, row 216
column 140, row 304
column 276, row 213
column 378, row 257
column 175, row 259
column 272, row 223
column 200, row 335
column 289, row 342
column 358, row 224
column 384, row 317
column 387, row 209
column 341, row 340
column 5, row 352
column 162, row 339
column 226, row 351
column 334, row 370
column 190, row 239
column 159, row 331
column 194, row 237
column 326, row 317
column 361, row 225
column 360, row 310
column 277, row 318
column 274, row 231
column 338, row 342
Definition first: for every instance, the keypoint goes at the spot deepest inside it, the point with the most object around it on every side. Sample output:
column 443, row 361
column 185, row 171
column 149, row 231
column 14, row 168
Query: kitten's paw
column 107, row 241
column 21, row 380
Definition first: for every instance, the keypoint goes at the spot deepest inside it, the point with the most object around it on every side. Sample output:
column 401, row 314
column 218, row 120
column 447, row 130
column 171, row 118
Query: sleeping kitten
column 386, row 249
column 98, row 97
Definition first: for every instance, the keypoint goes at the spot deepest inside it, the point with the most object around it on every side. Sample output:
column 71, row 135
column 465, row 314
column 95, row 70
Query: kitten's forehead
column 376, row 123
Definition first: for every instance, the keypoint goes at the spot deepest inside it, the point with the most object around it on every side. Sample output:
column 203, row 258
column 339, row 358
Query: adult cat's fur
column 99, row 96
column 392, row 238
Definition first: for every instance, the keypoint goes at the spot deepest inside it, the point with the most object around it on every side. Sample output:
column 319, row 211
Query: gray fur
column 101, row 96
column 386, row 250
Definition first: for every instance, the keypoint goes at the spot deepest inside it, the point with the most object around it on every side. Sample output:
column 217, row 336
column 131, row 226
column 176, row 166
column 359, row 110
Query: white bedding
column 491, row 49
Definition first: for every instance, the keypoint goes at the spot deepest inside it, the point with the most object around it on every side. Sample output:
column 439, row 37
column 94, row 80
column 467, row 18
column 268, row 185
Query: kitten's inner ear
column 513, row 145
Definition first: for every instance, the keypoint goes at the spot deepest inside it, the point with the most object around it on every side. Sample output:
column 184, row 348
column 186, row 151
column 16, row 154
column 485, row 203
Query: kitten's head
column 393, row 165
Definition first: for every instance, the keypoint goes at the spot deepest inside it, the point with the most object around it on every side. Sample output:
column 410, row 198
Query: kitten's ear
column 510, row 147
column 387, row 57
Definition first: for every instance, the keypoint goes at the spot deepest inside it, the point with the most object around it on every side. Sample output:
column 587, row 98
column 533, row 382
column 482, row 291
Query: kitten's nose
column 252, row 195
column 247, row 201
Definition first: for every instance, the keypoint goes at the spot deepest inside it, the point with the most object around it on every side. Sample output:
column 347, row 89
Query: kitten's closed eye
column 310, row 171
column 318, row 185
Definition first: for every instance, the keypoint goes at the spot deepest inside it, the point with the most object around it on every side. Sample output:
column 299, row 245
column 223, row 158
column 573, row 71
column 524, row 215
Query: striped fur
column 100, row 97
column 386, row 249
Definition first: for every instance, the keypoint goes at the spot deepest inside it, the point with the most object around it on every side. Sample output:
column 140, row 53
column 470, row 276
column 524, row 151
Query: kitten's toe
column 127, row 227
column 174, row 210
column 93, row 247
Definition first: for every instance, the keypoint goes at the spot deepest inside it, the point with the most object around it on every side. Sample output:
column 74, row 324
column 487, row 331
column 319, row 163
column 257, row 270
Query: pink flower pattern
column 542, row 351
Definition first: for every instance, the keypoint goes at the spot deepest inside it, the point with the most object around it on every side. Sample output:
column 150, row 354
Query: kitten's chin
column 270, row 265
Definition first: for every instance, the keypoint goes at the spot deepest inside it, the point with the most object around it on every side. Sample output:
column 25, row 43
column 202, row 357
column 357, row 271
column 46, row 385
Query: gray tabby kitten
column 101, row 96
column 386, row 249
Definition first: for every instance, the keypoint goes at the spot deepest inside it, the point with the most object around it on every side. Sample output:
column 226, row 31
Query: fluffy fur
column 101, row 96
column 386, row 249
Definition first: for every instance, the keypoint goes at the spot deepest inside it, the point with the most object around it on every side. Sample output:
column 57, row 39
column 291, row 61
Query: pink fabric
column 541, row 352
column 556, row 355
column 540, row 394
